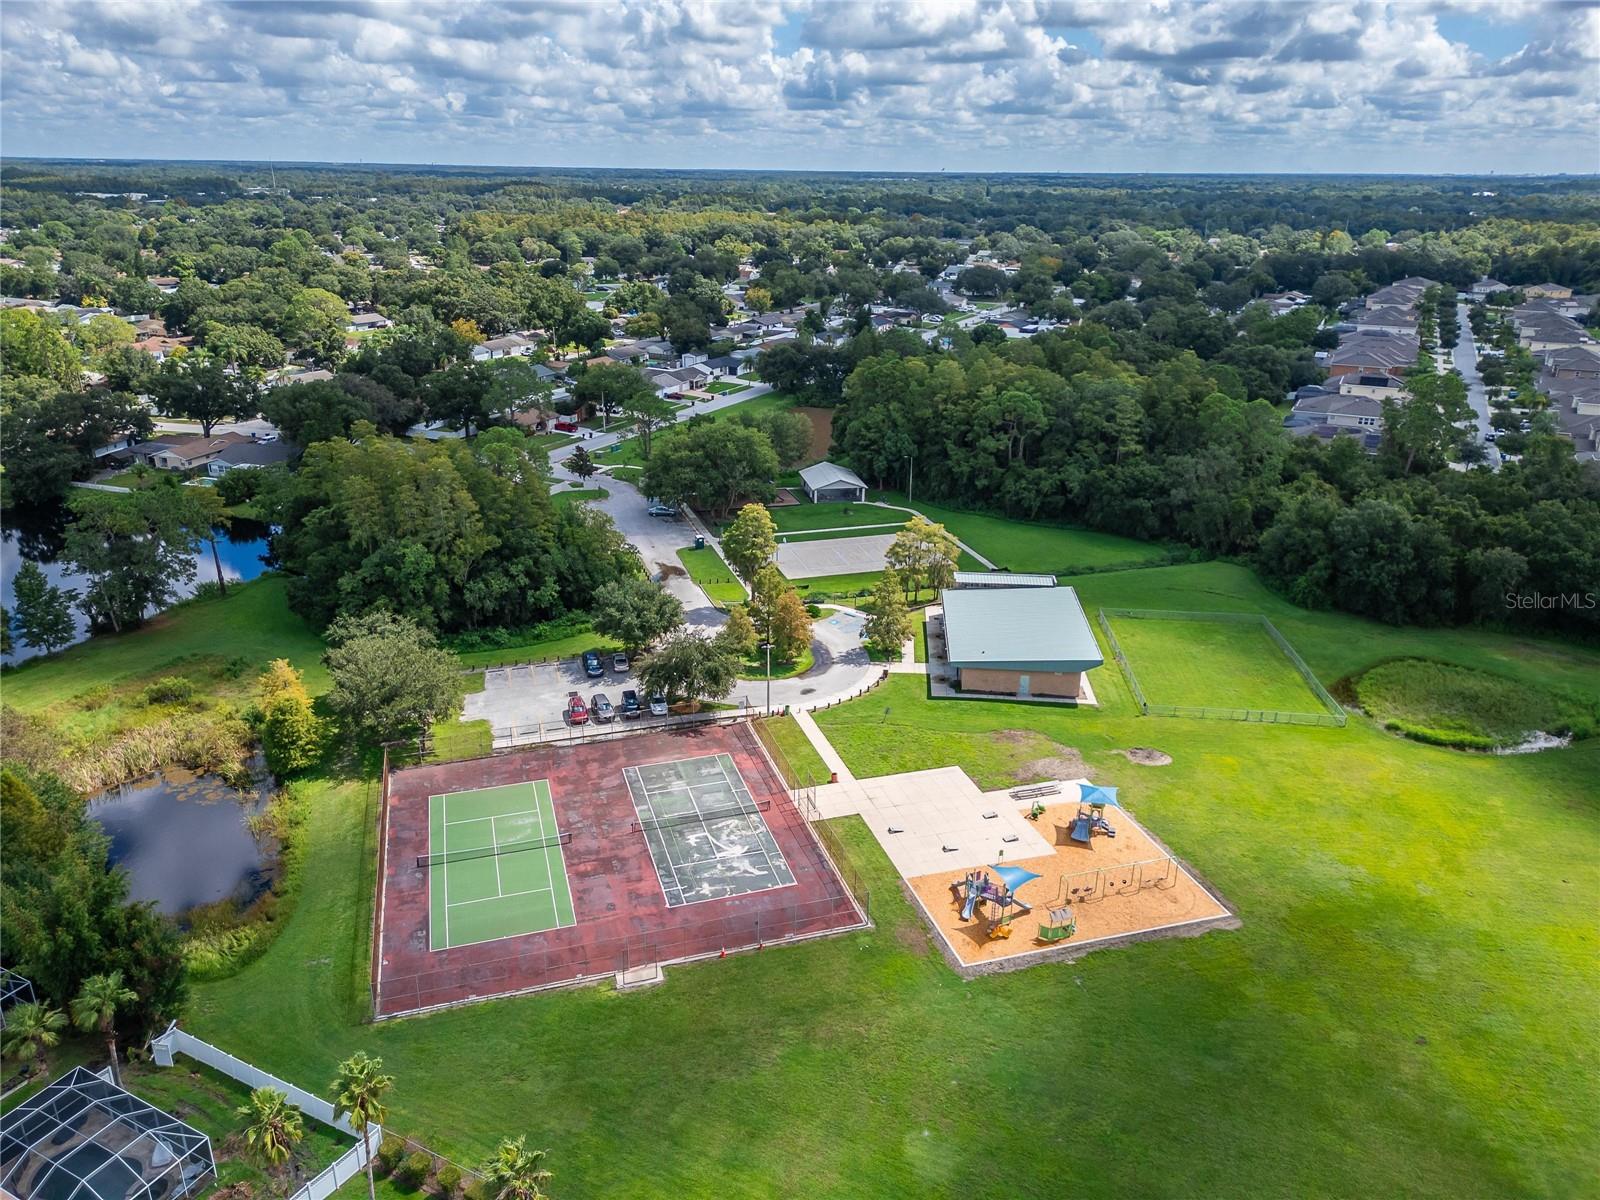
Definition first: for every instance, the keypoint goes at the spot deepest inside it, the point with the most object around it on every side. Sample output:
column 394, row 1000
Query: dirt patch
column 670, row 570
column 1017, row 737
column 911, row 938
column 821, row 432
column 1069, row 765
column 1146, row 757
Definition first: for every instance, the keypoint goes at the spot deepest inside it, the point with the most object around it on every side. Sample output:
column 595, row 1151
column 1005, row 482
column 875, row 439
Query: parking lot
column 531, row 694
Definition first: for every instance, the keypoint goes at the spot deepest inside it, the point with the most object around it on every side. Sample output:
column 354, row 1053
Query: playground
column 567, row 863
column 1106, row 880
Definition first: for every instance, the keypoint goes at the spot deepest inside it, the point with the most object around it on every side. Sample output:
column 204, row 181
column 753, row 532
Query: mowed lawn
column 716, row 580
column 1409, row 1008
column 1211, row 664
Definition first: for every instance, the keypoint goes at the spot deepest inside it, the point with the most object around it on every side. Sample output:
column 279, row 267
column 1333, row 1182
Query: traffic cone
column 724, row 953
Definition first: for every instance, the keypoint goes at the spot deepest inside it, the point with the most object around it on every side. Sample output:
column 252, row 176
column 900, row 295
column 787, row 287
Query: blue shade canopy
column 1014, row 877
column 1089, row 793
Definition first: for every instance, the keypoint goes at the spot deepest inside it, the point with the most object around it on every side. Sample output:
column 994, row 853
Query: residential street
column 1466, row 362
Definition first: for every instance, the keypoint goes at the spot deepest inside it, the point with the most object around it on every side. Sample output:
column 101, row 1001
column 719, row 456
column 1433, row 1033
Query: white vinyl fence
column 346, row 1167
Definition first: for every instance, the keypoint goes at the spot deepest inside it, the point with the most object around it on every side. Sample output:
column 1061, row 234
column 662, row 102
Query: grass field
column 579, row 495
column 560, row 647
column 797, row 749
column 1211, row 664
column 1409, row 1007
column 796, row 518
column 1448, row 704
column 708, row 570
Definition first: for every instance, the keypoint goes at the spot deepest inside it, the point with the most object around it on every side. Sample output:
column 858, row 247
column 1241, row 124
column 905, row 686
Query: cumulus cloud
column 959, row 84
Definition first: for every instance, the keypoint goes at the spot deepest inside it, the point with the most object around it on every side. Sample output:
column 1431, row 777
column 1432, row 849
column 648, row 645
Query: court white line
column 506, row 896
column 494, row 844
column 444, row 867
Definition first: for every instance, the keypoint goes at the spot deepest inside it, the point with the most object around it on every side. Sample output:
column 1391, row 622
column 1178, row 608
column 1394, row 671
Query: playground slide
column 1082, row 830
column 970, row 904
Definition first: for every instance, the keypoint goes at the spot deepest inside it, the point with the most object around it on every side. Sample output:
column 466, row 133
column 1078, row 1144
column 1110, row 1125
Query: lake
column 38, row 538
column 185, row 839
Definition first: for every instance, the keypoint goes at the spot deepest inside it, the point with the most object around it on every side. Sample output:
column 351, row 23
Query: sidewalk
column 822, row 745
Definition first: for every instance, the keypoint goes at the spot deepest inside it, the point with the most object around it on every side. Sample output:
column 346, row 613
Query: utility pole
column 767, row 646
column 911, row 479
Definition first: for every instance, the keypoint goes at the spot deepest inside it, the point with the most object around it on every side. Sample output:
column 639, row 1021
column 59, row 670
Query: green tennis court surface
column 495, row 865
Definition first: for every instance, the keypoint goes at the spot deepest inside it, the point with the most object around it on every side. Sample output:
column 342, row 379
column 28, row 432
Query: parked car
column 1491, row 436
column 658, row 704
column 592, row 666
column 630, row 705
column 601, row 708
column 577, row 710
column 663, row 510
column 619, row 663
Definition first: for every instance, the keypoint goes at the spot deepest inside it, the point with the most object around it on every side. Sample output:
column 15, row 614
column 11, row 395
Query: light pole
column 911, row 478
column 767, row 646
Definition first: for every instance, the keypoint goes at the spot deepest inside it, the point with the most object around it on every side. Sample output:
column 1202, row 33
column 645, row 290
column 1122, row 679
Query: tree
column 135, row 549
column 738, row 633
column 291, row 733
column 711, row 465
column 31, row 345
column 1426, row 426
column 390, row 676
column 924, row 555
column 889, row 625
column 275, row 1127
column 202, row 388
column 315, row 322
column 750, row 540
column 581, row 463
column 513, row 1172
column 636, row 612
column 30, row 1030
column 687, row 666
column 44, row 612
column 94, row 1009
column 623, row 388
column 358, row 1093
column 104, row 332
column 791, row 626
column 981, row 281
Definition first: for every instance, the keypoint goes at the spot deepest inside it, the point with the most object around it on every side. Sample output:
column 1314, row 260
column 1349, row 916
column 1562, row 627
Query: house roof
column 1376, row 349
column 256, row 454
column 1018, row 629
column 1573, row 358
column 194, row 447
column 826, row 475
column 1389, row 314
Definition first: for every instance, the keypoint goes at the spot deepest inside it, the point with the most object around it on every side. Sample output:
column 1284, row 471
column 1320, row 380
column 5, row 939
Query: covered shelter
column 85, row 1138
column 1019, row 641
column 1001, row 579
column 826, row 481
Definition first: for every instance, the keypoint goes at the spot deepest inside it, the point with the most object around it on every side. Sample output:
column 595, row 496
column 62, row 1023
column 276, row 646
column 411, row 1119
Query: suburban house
column 1389, row 319
column 162, row 348
column 1487, row 287
column 1374, row 353
column 513, row 345
column 1553, row 291
column 1284, row 302
column 1403, row 293
column 826, row 481
column 1573, row 362
column 189, row 453
column 362, row 322
column 1338, row 410
column 249, row 456
column 1551, row 333
column 165, row 284
column 724, row 365
column 1576, row 404
column 1018, row 641
column 296, row 375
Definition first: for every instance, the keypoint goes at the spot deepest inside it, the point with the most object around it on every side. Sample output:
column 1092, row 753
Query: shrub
column 170, row 689
column 446, row 1180
column 413, row 1170
column 390, row 1151
column 476, row 1190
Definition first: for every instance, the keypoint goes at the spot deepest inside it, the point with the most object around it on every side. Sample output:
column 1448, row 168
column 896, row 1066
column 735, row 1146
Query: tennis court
column 496, row 865
column 707, row 836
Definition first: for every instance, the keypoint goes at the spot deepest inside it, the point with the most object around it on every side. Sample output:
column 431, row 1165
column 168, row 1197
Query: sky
column 1421, row 86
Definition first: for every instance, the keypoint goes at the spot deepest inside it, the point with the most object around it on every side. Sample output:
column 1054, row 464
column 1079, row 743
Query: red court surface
column 623, row 920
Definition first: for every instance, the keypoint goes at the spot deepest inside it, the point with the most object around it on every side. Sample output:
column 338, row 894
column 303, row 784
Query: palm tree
column 31, row 1029
column 358, row 1094
column 513, row 1172
column 96, row 1009
column 275, row 1128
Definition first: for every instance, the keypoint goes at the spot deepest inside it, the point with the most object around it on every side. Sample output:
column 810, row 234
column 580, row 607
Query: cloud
column 991, row 84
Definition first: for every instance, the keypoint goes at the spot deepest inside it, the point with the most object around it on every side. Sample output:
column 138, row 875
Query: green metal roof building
column 1019, row 641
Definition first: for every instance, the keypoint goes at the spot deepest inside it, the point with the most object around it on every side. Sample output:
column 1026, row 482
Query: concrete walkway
column 823, row 746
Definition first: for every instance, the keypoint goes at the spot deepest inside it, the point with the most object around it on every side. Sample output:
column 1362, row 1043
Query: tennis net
column 450, row 856
column 704, row 815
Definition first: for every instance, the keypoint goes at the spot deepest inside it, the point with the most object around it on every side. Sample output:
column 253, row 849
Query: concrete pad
column 939, row 816
column 833, row 556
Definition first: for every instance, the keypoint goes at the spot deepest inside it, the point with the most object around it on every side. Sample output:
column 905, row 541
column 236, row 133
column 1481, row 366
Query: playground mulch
column 1114, row 900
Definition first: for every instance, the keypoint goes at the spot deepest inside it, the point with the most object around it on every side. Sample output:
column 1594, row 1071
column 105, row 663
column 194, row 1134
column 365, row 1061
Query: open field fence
column 803, row 790
column 1333, row 713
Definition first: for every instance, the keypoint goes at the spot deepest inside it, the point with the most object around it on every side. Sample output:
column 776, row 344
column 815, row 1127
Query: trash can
column 699, row 542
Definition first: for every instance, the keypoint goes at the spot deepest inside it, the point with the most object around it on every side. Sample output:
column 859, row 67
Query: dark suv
column 629, row 708
column 592, row 666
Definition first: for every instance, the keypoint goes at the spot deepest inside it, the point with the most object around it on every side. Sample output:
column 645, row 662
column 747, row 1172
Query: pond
column 185, row 839
column 31, row 537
